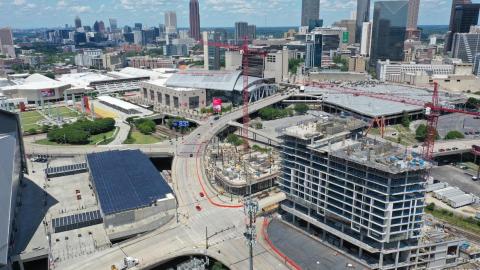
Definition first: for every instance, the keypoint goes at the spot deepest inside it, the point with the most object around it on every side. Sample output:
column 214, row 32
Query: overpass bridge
column 454, row 147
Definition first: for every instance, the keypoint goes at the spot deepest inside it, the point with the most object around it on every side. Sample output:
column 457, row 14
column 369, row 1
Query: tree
column 218, row 266
column 472, row 103
column 454, row 134
column 421, row 133
column 405, row 120
column 234, row 139
column 301, row 108
column 293, row 65
column 145, row 126
column 50, row 75
column 430, row 207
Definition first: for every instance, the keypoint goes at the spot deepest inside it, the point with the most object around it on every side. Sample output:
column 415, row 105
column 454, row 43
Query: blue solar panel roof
column 125, row 180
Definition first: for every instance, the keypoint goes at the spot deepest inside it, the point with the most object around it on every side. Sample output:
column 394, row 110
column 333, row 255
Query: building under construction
column 231, row 167
column 363, row 196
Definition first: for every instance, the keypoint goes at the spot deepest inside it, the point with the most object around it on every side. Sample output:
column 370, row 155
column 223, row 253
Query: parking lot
column 456, row 177
column 466, row 124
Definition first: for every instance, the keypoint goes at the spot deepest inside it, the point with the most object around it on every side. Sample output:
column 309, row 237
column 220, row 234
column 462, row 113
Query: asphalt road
column 456, row 177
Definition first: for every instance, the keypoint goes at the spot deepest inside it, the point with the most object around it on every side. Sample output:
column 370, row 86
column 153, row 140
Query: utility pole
column 250, row 209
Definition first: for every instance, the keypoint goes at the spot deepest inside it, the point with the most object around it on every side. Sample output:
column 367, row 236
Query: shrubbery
column 80, row 131
column 145, row 126
column 452, row 135
column 271, row 113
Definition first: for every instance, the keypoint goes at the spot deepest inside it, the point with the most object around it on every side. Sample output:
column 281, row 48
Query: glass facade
column 388, row 31
column 363, row 15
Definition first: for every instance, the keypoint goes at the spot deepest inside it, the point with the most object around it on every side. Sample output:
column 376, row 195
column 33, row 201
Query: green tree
column 293, row 65
column 405, row 120
column 32, row 131
column 472, row 103
column 234, row 139
column 218, row 266
column 145, row 126
column 301, row 108
column 454, row 134
column 430, row 207
column 421, row 133
column 50, row 75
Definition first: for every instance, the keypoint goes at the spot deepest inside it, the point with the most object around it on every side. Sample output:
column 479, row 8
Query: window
column 167, row 100
column 193, row 102
column 145, row 93
column 175, row 102
column 159, row 97
column 152, row 95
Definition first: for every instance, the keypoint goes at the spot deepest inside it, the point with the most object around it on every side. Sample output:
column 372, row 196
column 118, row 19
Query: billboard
column 476, row 150
column 47, row 92
column 217, row 105
column 345, row 37
column 85, row 103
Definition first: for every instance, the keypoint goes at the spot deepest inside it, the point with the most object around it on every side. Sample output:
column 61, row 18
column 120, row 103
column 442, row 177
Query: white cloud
column 81, row 9
column 19, row 2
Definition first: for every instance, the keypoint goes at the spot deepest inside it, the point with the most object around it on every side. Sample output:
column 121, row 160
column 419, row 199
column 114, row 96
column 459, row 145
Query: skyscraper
column 388, row 30
column 310, row 11
column 449, row 38
column 6, row 42
column 363, row 15
column 252, row 31
column 241, row 31
column 78, row 22
column 413, row 7
column 313, row 56
column 137, row 26
column 170, row 22
column 464, row 16
column 211, row 54
column 113, row 24
column 194, row 20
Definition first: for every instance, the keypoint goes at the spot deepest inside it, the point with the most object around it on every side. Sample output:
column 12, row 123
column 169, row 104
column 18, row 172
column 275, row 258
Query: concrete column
column 360, row 252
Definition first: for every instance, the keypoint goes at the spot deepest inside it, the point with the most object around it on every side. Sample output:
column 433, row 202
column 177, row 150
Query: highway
column 188, row 235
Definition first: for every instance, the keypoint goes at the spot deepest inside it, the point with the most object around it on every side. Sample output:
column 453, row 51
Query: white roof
column 138, row 72
column 36, row 82
column 119, row 103
column 83, row 79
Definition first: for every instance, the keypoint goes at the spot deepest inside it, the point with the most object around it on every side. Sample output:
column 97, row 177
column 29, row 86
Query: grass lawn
column 467, row 224
column 29, row 120
column 139, row 138
column 93, row 139
column 66, row 112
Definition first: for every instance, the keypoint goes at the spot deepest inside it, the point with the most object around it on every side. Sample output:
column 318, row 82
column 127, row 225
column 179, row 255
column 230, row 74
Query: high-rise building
column 348, row 191
column 211, row 54
column 113, row 24
column 194, row 20
column 78, row 22
column 388, row 30
column 310, row 11
column 314, row 50
column 241, row 31
column 466, row 46
column 413, row 7
column 101, row 27
column 137, row 37
column 350, row 25
column 6, row 42
column 476, row 65
column 366, row 41
column 252, row 32
column 137, row 26
column 170, row 22
column 460, row 20
column 362, row 15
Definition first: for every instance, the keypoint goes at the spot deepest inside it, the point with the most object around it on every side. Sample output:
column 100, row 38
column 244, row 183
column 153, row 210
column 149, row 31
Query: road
column 188, row 236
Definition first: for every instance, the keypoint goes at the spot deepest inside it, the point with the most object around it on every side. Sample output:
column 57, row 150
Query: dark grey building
column 12, row 167
column 363, row 15
column 314, row 50
column 310, row 11
column 241, row 31
column 388, row 30
column 463, row 15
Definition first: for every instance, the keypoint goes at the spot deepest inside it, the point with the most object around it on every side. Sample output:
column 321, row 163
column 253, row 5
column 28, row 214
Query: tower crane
column 432, row 109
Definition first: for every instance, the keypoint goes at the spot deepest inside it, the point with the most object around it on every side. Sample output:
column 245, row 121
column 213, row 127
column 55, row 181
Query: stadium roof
column 125, row 180
column 119, row 103
column 214, row 80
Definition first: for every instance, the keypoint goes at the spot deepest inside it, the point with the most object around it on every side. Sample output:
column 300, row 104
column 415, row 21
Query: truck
column 127, row 263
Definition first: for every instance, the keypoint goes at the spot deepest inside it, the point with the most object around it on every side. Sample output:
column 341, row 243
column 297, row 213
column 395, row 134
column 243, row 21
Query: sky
column 213, row 13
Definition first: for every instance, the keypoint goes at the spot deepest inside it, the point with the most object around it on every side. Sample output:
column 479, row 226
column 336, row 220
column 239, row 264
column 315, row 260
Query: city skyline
column 215, row 13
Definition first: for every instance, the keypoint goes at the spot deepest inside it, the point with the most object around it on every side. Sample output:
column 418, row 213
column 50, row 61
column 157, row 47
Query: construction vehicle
column 127, row 263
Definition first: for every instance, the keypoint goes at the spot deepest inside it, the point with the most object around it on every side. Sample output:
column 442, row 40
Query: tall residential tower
column 194, row 20
column 170, row 22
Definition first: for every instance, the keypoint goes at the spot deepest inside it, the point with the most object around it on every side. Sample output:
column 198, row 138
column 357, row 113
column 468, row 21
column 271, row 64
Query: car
column 216, row 118
column 474, row 178
column 448, row 149
column 198, row 207
column 477, row 132
column 191, row 155
column 455, row 148
column 202, row 194
column 441, row 150
column 415, row 146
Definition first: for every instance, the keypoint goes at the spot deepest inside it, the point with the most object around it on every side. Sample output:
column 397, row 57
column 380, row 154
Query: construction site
column 232, row 165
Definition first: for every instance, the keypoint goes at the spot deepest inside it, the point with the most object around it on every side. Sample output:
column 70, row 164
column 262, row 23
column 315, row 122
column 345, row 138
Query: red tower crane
column 433, row 110
column 246, row 52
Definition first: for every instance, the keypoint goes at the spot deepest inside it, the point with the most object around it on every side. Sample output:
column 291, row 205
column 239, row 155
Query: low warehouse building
column 133, row 196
